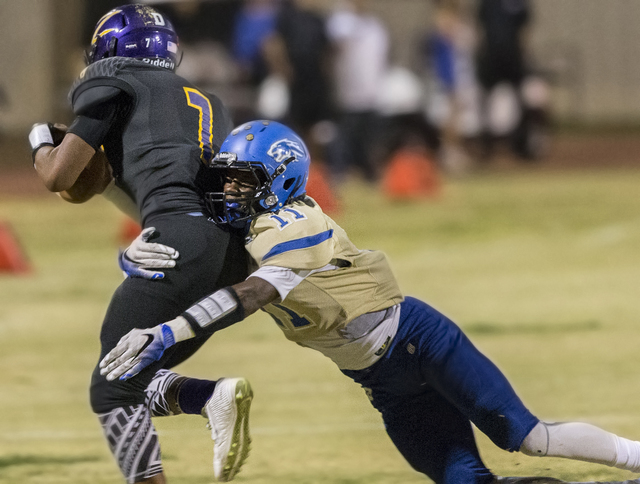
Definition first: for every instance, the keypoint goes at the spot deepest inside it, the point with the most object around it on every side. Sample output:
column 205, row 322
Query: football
column 92, row 180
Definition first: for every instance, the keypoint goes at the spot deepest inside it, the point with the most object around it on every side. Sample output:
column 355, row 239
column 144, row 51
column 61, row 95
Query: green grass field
column 541, row 269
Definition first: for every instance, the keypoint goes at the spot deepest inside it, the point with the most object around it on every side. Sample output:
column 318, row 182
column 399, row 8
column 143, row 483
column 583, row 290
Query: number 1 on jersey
column 199, row 101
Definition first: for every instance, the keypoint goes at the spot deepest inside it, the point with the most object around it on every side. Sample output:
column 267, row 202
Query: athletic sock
column 193, row 395
column 581, row 441
column 627, row 454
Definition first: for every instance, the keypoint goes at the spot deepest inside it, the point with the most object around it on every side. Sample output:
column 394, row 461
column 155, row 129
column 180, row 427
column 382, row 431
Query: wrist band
column 40, row 136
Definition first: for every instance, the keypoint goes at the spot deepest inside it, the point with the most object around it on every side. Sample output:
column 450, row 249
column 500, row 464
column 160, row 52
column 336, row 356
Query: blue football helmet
column 137, row 31
column 277, row 158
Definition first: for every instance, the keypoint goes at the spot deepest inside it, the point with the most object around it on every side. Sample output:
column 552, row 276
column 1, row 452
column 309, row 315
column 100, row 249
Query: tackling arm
column 141, row 347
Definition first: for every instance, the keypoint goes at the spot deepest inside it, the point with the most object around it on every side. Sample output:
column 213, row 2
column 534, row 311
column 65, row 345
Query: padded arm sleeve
column 215, row 312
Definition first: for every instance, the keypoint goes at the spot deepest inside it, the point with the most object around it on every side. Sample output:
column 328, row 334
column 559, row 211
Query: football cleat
column 228, row 413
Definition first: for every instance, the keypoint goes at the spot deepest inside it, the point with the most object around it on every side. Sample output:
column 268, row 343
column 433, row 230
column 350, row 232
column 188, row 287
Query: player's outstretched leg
column 228, row 414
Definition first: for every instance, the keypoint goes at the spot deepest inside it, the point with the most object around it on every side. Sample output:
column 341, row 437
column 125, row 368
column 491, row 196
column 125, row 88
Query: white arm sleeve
column 121, row 200
column 283, row 279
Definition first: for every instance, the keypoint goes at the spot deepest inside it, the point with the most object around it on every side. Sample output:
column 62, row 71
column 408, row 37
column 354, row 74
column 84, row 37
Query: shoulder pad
column 104, row 72
column 90, row 98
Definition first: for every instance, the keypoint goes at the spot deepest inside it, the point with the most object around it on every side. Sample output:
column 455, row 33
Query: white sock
column 627, row 454
column 585, row 442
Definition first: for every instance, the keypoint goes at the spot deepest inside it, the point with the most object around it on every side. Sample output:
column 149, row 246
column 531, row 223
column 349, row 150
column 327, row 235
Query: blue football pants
column 430, row 386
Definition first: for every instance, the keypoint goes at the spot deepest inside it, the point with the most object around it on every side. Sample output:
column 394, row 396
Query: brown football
column 92, row 181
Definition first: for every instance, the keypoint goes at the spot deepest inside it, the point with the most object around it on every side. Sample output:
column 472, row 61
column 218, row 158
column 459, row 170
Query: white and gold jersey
column 344, row 301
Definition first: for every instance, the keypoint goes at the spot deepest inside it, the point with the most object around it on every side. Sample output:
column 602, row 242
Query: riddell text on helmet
column 167, row 64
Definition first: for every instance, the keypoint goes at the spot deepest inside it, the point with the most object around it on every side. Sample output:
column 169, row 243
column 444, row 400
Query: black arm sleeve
column 92, row 131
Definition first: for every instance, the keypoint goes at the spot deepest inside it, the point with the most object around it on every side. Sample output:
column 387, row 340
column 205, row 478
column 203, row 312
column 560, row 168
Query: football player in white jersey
column 419, row 369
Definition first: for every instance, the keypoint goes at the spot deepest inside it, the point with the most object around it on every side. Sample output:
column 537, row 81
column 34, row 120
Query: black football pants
column 210, row 259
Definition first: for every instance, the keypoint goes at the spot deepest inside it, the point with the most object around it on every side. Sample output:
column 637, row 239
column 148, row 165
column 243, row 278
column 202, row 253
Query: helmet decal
column 284, row 149
column 102, row 21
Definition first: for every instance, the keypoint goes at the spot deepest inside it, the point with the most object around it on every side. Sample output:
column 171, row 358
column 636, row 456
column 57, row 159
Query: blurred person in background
column 503, row 63
column 253, row 24
column 298, row 52
column 299, row 56
column 206, row 30
column 454, row 101
column 158, row 132
column 361, row 43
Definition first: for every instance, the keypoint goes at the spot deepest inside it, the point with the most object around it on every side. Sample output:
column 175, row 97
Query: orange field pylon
column 129, row 231
column 12, row 258
column 320, row 190
column 411, row 175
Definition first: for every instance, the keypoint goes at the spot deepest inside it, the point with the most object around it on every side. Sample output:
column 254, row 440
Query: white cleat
column 228, row 414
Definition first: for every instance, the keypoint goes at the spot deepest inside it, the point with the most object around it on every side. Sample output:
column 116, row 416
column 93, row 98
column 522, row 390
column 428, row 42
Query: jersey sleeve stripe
column 301, row 243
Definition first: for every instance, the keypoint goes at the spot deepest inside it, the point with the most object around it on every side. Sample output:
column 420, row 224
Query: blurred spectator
column 454, row 101
column 298, row 54
column 404, row 123
column 204, row 34
column 254, row 23
column 297, row 90
column 407, row 141
column 502, row 62
column 361, row 49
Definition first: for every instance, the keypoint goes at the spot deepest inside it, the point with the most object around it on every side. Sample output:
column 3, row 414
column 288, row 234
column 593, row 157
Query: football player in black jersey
column 158, row 133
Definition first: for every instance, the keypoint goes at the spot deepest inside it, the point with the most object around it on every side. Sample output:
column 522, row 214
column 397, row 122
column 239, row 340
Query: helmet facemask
column 245, row 194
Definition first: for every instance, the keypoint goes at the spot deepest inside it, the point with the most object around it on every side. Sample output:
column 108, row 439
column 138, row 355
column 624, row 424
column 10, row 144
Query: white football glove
column 142, row 255
column 140, row 347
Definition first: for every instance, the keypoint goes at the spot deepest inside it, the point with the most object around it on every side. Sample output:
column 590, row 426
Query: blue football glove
column 142, row 255
column 135, row 351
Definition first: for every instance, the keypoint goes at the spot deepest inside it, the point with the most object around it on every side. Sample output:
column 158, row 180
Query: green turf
column 542, row 270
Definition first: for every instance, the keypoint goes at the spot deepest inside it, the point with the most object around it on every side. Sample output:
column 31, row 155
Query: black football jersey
column 159, row 132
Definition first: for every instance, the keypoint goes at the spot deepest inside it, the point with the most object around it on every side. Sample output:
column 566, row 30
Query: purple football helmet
column 137, row 31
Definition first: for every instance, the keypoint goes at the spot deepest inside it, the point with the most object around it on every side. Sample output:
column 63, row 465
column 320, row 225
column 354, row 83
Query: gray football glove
column 142, row 255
